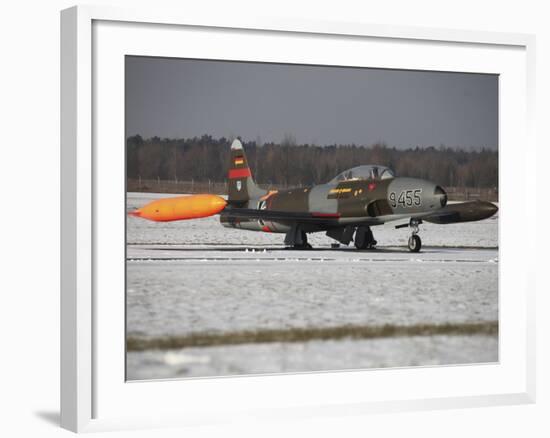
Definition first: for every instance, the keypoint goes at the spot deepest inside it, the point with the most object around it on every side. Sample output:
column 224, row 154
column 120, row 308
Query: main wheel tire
column 304, row 244
column 360, row 239
column 364, row 239
column 415, row 243
column 370, row 243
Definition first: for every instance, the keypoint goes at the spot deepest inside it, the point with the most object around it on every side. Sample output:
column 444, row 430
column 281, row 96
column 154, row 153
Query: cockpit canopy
column 369, row 171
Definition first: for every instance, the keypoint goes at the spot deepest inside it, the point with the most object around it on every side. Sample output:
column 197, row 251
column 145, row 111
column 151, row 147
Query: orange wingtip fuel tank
column 181, row 207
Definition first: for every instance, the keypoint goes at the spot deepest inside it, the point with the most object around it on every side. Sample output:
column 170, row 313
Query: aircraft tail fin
column 241, row 185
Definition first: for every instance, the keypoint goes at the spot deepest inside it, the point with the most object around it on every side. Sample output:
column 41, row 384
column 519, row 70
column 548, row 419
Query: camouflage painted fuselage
column 367, row 202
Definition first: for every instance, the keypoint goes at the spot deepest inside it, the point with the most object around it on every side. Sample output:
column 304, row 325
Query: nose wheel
column 415, row 243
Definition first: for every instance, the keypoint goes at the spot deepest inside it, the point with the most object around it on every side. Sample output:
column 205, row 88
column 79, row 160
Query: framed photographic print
column 283, row 219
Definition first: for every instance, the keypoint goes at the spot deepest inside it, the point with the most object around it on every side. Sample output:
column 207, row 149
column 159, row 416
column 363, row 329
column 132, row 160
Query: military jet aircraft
column 345, row 208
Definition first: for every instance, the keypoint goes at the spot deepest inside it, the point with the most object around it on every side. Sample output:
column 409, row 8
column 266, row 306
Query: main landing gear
column 364, row 238
column 414, row 243
column 303, row 244
column 297, row 239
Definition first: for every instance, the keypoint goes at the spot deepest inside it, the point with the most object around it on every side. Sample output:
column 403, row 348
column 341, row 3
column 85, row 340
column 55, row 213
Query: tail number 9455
column 406, row 198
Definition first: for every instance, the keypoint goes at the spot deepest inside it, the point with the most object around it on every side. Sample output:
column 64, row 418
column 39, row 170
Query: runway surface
column 257, row 253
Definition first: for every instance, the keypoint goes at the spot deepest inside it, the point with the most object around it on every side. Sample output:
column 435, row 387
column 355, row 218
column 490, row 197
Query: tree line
column 205, row 158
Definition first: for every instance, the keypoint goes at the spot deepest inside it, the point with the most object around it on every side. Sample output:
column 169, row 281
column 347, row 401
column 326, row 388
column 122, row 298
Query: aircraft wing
column 282, row 216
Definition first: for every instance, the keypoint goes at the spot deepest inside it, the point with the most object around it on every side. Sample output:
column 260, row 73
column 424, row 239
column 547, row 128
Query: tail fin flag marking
column 241, row 185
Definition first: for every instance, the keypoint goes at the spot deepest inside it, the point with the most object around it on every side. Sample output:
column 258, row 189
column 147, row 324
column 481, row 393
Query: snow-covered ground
column 194, row 277
column 316, row 355
column 210, row 294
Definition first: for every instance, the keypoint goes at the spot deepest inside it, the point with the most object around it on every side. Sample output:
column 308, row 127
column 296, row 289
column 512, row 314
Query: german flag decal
column 239, row 160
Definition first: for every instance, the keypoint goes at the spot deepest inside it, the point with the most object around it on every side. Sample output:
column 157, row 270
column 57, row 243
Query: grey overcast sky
column 178, row 98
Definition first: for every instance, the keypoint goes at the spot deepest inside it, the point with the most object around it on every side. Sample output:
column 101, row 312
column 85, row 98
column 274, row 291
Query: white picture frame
column 93, row 396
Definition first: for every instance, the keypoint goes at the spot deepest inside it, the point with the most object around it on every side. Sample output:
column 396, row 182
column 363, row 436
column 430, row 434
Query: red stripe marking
column 239, row 173
column 336, row 215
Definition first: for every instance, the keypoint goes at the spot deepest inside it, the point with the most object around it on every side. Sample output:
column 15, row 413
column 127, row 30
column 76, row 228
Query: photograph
column 292, row 218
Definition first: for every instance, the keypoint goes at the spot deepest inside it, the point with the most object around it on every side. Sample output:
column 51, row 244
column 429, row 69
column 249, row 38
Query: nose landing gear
column 414, row 243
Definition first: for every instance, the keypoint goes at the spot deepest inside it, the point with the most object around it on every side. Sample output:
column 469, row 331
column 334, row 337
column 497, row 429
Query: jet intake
column 442, row 195
column 181, row 208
